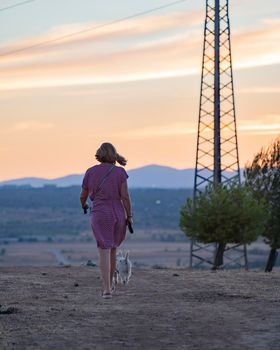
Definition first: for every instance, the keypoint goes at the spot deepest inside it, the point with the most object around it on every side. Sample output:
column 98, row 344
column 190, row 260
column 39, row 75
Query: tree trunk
column 271, row 260
column 219, row 258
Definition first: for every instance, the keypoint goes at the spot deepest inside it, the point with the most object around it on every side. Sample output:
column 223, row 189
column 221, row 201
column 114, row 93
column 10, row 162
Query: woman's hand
column 83, row 197
column 129, row 219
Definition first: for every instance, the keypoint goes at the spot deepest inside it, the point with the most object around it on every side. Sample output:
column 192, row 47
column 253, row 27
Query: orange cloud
column 260, row 90
column 269, row 125
column 95, row 32
column 147, row 48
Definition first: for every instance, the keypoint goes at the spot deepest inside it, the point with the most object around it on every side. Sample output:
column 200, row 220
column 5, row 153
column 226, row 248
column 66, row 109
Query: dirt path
column 60, row 258
column 61, row 308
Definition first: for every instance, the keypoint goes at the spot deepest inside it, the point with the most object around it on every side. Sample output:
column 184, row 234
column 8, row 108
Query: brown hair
column 107, row 153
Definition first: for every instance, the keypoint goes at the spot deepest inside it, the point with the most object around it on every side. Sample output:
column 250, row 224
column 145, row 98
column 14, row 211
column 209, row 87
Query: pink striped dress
column 107, row 218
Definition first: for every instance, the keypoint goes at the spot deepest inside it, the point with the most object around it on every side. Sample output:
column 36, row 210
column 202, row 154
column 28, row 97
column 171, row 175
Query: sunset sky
column 134, row 83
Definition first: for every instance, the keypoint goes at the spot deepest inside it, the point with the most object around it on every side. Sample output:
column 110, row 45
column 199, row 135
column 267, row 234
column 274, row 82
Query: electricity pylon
column 217, row 159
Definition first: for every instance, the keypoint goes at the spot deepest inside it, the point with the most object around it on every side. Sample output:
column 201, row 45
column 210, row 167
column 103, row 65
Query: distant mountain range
column 150, row 176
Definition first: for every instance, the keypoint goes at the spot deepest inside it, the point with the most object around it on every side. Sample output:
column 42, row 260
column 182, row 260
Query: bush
column 223, row 214
column 263, row 177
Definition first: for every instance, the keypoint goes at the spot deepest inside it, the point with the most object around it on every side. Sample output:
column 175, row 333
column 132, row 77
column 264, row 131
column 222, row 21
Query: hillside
column 49, row 211
column 150, row 176
column 60, row 308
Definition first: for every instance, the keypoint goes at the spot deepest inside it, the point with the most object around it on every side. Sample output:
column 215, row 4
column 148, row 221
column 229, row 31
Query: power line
column 16, row 5
column 66, row 36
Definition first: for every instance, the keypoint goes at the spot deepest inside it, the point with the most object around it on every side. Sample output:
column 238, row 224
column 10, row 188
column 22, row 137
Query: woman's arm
column 83, row 197
column 126, row 200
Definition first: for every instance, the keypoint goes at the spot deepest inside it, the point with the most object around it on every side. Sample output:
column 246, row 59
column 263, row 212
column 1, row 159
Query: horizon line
column 80, row 174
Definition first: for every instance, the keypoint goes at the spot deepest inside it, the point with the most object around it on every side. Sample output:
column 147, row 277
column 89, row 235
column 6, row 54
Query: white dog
column 123, row 268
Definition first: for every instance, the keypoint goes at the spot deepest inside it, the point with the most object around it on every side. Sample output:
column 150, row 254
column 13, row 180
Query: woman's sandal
column 106, row 295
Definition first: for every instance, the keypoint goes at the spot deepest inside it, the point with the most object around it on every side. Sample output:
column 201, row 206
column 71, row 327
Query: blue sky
column 38, row 16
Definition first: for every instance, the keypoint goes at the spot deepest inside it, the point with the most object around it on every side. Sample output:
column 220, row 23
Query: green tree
column 263, row 176
column 223, row 214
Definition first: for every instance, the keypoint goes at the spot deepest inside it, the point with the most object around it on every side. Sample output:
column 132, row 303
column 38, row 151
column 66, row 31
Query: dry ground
column 143, row 252
column 61, row 308
column 76, row 253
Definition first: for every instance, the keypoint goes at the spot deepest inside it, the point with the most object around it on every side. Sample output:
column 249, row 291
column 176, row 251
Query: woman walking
column 106, row 185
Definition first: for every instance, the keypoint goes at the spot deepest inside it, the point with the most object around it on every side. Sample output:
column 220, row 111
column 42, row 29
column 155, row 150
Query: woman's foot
column 106, row 295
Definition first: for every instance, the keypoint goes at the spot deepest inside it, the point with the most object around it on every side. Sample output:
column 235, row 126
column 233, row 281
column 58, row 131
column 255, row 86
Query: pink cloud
column 139, row 49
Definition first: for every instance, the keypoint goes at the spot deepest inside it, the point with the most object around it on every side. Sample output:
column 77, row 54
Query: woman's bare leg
column 113, row 263
column 104, row 263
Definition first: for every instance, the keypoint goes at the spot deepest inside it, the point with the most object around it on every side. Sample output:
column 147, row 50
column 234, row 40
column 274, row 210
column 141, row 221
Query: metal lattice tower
column 217, row 158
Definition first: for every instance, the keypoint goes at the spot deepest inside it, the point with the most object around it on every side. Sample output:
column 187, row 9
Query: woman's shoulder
column 122, row 172
column 92, row 169
column 120, row 168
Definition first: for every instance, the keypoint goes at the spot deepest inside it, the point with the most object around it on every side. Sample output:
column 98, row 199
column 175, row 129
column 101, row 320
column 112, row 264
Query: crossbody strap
column 103, row 180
